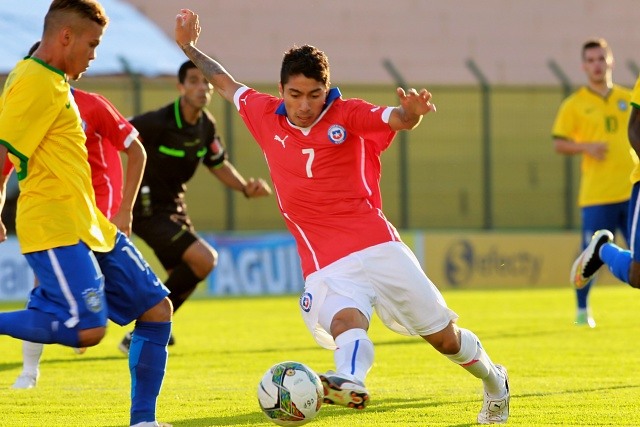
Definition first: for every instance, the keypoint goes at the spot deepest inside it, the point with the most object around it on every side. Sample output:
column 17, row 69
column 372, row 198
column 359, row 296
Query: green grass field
column 560, row 374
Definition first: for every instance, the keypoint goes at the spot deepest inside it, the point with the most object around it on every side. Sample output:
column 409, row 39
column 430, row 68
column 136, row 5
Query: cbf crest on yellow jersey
column 41, row 128
column 587, row 117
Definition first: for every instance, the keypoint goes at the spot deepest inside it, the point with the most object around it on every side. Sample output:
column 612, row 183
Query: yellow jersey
column 585, row 117
column 635, row 101
column 40, row 126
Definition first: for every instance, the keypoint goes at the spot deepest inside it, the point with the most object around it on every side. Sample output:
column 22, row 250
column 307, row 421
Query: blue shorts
column 613, row 217
column 85, row 288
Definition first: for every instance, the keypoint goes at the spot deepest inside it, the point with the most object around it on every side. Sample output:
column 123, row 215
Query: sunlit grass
column 560, row 374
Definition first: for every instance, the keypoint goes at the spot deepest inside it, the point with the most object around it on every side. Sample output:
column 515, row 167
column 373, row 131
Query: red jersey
column 108, row 133
column 8, row 167
column 326, row 177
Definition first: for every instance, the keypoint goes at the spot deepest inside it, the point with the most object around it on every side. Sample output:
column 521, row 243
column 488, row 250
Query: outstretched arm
column 136, row 159
column 186, row 33
column 230, row 177
column 413, row 105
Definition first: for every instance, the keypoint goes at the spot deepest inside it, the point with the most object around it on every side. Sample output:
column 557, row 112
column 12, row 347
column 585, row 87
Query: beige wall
column 428, row 40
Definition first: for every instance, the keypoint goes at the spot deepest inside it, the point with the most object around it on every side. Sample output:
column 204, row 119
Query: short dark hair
column 182, row 71
column 87, row 9
column 596, row 43
column 33, row 48
column 306, row 60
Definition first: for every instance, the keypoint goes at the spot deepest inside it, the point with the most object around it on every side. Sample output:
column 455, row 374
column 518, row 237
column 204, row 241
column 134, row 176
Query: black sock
column 181, row 282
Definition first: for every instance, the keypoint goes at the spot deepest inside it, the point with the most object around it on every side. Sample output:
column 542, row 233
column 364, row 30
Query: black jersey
column 174, row 149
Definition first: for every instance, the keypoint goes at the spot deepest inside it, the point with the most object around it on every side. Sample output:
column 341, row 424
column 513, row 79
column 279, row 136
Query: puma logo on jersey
column 244, row 100
column 374, row 109
column 280, row 140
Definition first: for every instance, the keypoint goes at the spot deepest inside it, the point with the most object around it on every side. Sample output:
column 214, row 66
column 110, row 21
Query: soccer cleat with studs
column 496, row 411
column 339, row 390
column 588, row 262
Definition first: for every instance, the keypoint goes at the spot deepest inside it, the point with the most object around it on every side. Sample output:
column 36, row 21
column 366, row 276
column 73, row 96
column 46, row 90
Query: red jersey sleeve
column 118, row 129
column 367, row 120
column 105, row 119
column 8, row 166
column 252, row 106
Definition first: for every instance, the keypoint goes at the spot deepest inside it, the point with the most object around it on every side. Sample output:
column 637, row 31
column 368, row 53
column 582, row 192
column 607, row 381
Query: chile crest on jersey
column 337, row 134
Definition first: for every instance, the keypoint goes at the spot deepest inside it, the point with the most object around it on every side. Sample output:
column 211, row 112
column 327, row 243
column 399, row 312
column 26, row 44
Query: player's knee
column 346, row 319
column 161, row 312
column 446, row 341
column 91, row 337
column 202, row 259
column 450, row 345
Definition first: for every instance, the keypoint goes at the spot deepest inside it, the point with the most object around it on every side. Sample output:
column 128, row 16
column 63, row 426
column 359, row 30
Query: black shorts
column 169, row 234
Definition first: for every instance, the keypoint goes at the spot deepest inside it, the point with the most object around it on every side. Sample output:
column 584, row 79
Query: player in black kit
column 177, row 138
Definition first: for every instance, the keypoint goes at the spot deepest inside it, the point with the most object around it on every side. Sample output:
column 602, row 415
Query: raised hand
column 414, row 102
column 187, row 28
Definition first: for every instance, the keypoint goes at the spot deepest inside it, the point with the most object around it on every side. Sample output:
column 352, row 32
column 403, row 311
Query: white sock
column 474, row 359
column 354, row 355
column 31, row 353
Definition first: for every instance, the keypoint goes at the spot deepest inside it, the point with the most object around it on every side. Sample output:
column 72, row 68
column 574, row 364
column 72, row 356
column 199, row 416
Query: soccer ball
column 290, row 394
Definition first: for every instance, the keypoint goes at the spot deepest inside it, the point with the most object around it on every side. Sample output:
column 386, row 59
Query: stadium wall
column 428, row 40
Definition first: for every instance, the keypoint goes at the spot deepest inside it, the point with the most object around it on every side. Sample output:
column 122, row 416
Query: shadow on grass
column 345, row 416
column 335, row 415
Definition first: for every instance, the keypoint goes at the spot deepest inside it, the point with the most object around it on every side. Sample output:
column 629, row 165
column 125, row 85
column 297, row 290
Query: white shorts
column 386, row 276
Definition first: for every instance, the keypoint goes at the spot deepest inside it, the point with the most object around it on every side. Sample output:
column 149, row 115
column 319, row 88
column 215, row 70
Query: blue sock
column 617, row 259
column 583, row 295
column 37, row 326
column 147, row 364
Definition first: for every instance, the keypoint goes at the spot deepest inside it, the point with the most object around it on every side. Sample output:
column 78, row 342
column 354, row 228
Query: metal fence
column 485, row 160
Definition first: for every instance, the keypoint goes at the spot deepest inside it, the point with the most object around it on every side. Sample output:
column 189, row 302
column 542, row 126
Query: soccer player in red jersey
column 320, row 149
column 108, row 134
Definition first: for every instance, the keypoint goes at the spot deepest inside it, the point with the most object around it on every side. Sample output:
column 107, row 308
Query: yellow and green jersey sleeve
column 41, row 127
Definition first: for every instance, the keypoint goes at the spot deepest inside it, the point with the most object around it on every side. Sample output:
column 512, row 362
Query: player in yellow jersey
column 593, row 122
column 624, row 264
column 88, row 270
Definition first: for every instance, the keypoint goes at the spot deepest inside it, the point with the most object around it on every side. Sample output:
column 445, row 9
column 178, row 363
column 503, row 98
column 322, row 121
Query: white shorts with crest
column 387, row 277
